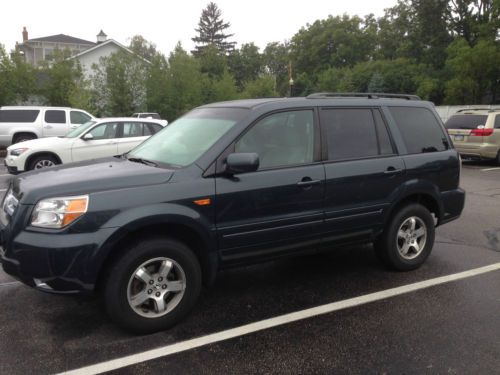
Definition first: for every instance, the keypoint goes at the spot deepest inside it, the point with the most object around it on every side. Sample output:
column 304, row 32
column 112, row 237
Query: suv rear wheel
column 153, row 286
column 23, row 137
column 408, row 239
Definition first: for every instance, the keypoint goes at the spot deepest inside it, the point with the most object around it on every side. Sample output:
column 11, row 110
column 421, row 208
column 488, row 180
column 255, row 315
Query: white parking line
column 10, row 283
column 3, row 175
column 273, row 322
column 490, row 169
column 3, row 189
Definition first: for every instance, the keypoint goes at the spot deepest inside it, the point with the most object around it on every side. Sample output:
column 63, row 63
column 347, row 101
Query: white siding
column 92, row 57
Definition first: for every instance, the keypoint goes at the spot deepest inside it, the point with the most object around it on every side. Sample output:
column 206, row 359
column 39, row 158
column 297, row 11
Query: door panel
column 268, row 212
column 102, row 145
column 55, row 123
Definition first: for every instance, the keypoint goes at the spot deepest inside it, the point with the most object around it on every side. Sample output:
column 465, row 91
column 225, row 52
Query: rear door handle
column 392, row 170
column 306, row 181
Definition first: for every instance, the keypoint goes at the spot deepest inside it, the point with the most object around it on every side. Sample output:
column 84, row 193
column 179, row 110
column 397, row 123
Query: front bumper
column 53, row 262
column 12, row 167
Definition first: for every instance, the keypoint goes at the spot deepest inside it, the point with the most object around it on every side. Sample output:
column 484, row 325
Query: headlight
column 10, row 203
column 59, row 212
column 17, row 151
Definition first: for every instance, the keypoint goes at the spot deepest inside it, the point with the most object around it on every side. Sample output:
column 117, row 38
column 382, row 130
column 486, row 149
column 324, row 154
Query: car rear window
column 18, row 115
column 465, row 121
column 420, row 130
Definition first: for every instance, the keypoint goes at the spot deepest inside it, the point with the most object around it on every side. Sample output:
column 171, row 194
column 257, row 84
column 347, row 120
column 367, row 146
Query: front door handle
column 392, row 170
column 307, row 181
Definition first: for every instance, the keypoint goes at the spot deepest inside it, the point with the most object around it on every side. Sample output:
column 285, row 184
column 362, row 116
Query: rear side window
column 420, row 130
column 55, row 117
column 497, row 122
column 16, row 115
column 352, row 133
column 466, row 121
column 132, row 129
column 150, row 129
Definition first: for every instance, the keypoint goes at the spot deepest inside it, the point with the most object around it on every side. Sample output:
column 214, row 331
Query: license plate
column 459, row 138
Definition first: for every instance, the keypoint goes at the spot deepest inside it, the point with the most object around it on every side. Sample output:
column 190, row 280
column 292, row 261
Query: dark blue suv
column 228, row 184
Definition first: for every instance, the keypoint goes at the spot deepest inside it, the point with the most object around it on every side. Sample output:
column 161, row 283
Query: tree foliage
column 211, row 31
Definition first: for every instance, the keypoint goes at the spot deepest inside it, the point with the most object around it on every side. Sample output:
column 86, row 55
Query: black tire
column 121, row 277
column 23, row 137
column 38, row 161
column 387, row 247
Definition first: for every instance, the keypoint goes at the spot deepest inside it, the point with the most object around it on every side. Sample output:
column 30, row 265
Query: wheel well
column 16, row 135
column 45, row 153
column 176, row 231
column 425, row 200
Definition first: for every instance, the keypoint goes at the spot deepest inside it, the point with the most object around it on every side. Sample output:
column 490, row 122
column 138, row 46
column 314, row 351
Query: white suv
column 22, row 123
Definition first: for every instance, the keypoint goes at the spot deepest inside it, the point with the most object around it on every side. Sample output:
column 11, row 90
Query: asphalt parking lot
column 448, row 328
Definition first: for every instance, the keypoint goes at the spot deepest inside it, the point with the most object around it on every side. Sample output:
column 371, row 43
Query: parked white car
column 22, row 123
column 95, row 139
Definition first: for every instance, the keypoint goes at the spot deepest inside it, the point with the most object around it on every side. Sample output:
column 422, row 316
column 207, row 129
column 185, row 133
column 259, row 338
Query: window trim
column 324, row 129
column 220, row 161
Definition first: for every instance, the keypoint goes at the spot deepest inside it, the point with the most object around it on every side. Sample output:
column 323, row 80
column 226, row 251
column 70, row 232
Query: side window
column 497, row 122
column 18, row 115
column 132, row 129
column 420, row 130
column 77, row 117
column 150, row 129
column 104, row 131
column 351, row 133
column 281, row 139
column 55, row 116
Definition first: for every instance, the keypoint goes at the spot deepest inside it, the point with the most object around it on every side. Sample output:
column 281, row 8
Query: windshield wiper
column 143, row 161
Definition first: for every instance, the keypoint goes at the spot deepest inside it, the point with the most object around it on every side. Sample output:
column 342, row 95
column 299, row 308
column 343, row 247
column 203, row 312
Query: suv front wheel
column 408, row 240
column 153, row 286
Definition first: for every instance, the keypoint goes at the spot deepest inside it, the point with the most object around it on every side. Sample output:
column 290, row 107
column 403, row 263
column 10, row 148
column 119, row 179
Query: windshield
column 79, row 130
column 187, row 138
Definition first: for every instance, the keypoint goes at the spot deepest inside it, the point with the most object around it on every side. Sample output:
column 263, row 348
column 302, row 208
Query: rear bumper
column 484, row 152
column 453, row 205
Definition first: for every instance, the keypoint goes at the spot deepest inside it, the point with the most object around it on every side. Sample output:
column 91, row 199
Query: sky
column 166, row 22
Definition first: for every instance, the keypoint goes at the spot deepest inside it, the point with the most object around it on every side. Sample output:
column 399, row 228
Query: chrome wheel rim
column 44, row 164
column 156, row 287
column 411, row 238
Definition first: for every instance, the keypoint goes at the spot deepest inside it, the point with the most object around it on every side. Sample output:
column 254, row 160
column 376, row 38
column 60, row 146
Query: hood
column 86, row 177
column 40, row 143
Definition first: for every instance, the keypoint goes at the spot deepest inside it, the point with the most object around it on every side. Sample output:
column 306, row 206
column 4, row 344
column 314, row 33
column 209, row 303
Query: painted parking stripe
column 274, row 322
column 10, row 283
column 3, row 175
column 490, row 169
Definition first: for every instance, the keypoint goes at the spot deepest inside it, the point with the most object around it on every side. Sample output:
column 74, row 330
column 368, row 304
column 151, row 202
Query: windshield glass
column 187, row 138
column 79, row 130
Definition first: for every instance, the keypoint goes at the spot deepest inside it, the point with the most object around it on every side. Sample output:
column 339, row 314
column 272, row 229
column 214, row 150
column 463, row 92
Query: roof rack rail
column 478, row 109
column 369, row 95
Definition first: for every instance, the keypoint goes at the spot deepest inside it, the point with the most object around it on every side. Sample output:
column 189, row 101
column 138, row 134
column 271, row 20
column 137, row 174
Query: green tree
column 119, row 84
column 18, row 80
column 211, row 30
column 276, row 57
column 474, row 73
column 245, row 64
column 157, row 99
column 261, row 87
column 62, row 80
column 142, row 47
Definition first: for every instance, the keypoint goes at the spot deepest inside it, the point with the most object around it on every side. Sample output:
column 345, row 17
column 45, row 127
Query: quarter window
column 352, row 133
column 420, row 130
column 55, row 117
column 497, row 122
column 281, row 139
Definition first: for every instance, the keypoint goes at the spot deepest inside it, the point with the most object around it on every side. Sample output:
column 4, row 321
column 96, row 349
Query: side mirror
column 88, row 137
column 242, row 163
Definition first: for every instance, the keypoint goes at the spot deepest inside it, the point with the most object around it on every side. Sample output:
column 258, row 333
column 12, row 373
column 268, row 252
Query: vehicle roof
column 131, row 119
column 36, row 107
column 307, row 102
column 477, row 111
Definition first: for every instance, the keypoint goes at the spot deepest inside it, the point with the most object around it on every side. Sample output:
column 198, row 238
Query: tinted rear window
column 420, row 130
column 18, row 115
column 55, row 117
column 465, row 121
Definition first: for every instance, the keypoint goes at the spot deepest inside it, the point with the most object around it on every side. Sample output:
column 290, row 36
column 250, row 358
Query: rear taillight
column 481, row 132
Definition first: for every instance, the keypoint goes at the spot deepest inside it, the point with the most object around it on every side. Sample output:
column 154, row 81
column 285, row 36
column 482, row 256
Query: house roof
column 109, row 41
column 61, row 38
